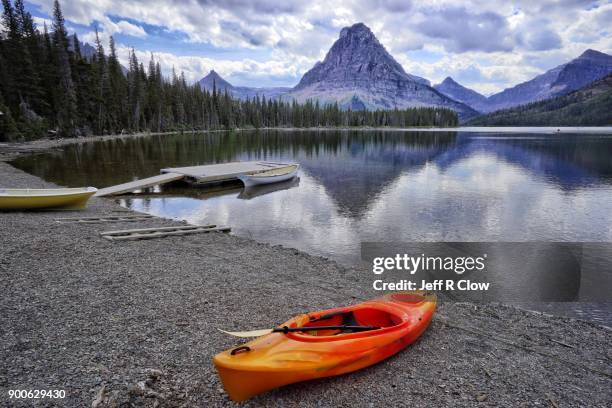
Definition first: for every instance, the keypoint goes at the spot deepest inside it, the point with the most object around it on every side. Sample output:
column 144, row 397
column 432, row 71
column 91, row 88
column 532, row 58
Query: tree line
column 48, row 86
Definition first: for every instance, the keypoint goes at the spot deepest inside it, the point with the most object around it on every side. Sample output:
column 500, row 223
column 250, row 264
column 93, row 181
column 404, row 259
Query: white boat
column 248, row 193
column 270, row 176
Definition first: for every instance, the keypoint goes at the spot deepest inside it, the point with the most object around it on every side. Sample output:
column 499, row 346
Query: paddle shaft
column 286, row 329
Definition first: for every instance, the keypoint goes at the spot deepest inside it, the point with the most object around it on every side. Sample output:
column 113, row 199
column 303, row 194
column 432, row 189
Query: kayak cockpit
column 349, row 321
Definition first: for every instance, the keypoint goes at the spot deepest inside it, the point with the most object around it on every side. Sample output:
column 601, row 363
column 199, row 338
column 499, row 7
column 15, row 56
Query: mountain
column 240, row 92
column 588, row 106
column 359, row 73
column 214, row 80
column 561, row 80
column 88, row 51
column 460, row 93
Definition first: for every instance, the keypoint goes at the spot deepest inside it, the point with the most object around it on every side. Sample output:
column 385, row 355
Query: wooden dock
column 139, row 184
column 161, row 232
column 215, row 173
column 211, row 173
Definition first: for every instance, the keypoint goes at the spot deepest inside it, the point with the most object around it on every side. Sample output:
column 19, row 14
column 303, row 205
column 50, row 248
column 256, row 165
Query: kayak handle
column 286, row 329
column 240, row 349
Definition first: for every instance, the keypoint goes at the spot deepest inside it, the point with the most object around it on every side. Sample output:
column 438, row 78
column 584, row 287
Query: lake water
column 359, row 186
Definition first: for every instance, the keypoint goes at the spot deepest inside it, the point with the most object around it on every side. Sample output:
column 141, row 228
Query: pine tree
column 8, row 128
column 116, row 102
column 134, row 93
column 66, row 99
column 49, row 77
column 78, row 95
column 11, row 53
column 29, row 49
column 102, row 91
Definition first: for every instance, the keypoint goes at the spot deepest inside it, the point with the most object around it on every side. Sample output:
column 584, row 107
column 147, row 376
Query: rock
column 135, row 390
column 154, row 373
column 100, row 397
column 142, row 386
column 481, row 397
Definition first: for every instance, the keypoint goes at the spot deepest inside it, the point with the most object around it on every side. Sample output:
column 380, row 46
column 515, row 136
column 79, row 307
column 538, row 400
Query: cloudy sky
column 487, row 45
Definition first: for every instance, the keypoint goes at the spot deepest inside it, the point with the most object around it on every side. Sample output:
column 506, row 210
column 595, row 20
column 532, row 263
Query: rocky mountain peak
column 214, row 79
column 358, row 31
column 214, row 75
column 594, row 55
column 448, row 81
column 460, row 93
column 357, row 57
column 359, row 73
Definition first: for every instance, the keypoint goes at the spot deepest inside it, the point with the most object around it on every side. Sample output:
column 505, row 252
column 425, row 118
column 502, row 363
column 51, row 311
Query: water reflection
column 248, row 193
column 376, row 186
column 373, row 186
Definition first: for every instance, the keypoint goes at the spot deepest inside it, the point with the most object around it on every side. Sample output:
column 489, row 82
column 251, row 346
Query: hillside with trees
column 47, row 87
column 589, row 106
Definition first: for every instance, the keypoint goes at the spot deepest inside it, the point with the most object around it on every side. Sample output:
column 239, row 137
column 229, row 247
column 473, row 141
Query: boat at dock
column 201, row 175
column 248, row 193
column 325, row 343
column 270, row 176
column 42, row 199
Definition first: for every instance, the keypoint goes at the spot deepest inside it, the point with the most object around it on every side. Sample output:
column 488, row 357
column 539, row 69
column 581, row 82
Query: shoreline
column 95, row 318
column 8, row 150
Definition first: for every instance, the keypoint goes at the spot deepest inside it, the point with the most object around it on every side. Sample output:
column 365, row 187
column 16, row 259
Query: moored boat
column 270, row 176
column 39, row 199
column 325, row 343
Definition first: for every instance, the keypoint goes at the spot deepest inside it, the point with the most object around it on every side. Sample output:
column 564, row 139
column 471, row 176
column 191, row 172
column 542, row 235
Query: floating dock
column 215, row 173
column 211, row 173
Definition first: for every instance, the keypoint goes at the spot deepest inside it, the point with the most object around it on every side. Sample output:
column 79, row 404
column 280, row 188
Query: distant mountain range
column 241, row 92
column 561, row 80
column 588, row 106
column 359, row 73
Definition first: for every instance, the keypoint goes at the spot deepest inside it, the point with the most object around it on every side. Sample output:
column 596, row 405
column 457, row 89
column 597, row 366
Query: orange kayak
column 326, row 343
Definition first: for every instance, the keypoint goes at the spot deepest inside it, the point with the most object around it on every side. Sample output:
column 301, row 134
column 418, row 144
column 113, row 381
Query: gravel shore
column 135, row 324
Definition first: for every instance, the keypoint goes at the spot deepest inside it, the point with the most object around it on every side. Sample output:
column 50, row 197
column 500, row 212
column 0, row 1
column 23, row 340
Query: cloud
column 125, row 27
column 503, row 42
column 462, row 30
column 195, row 67
column 541, row 40
column 40, row 22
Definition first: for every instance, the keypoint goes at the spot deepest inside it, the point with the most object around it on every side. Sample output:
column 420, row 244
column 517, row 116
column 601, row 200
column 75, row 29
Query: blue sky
column 487, row 45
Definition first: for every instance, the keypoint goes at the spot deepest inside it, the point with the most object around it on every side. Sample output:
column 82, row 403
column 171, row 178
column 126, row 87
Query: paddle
column 285, row 329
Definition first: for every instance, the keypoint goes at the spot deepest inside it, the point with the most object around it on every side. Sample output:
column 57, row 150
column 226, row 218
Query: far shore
column 8, row 150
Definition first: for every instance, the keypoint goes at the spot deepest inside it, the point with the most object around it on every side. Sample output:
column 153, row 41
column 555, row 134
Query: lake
column 359, row 186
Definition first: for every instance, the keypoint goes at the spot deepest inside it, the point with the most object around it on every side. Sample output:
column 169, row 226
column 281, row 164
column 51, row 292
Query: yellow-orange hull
column 39, row 199
column 279, row 359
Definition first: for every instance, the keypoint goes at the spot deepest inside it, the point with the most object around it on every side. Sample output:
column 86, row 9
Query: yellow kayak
column 39, row 199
